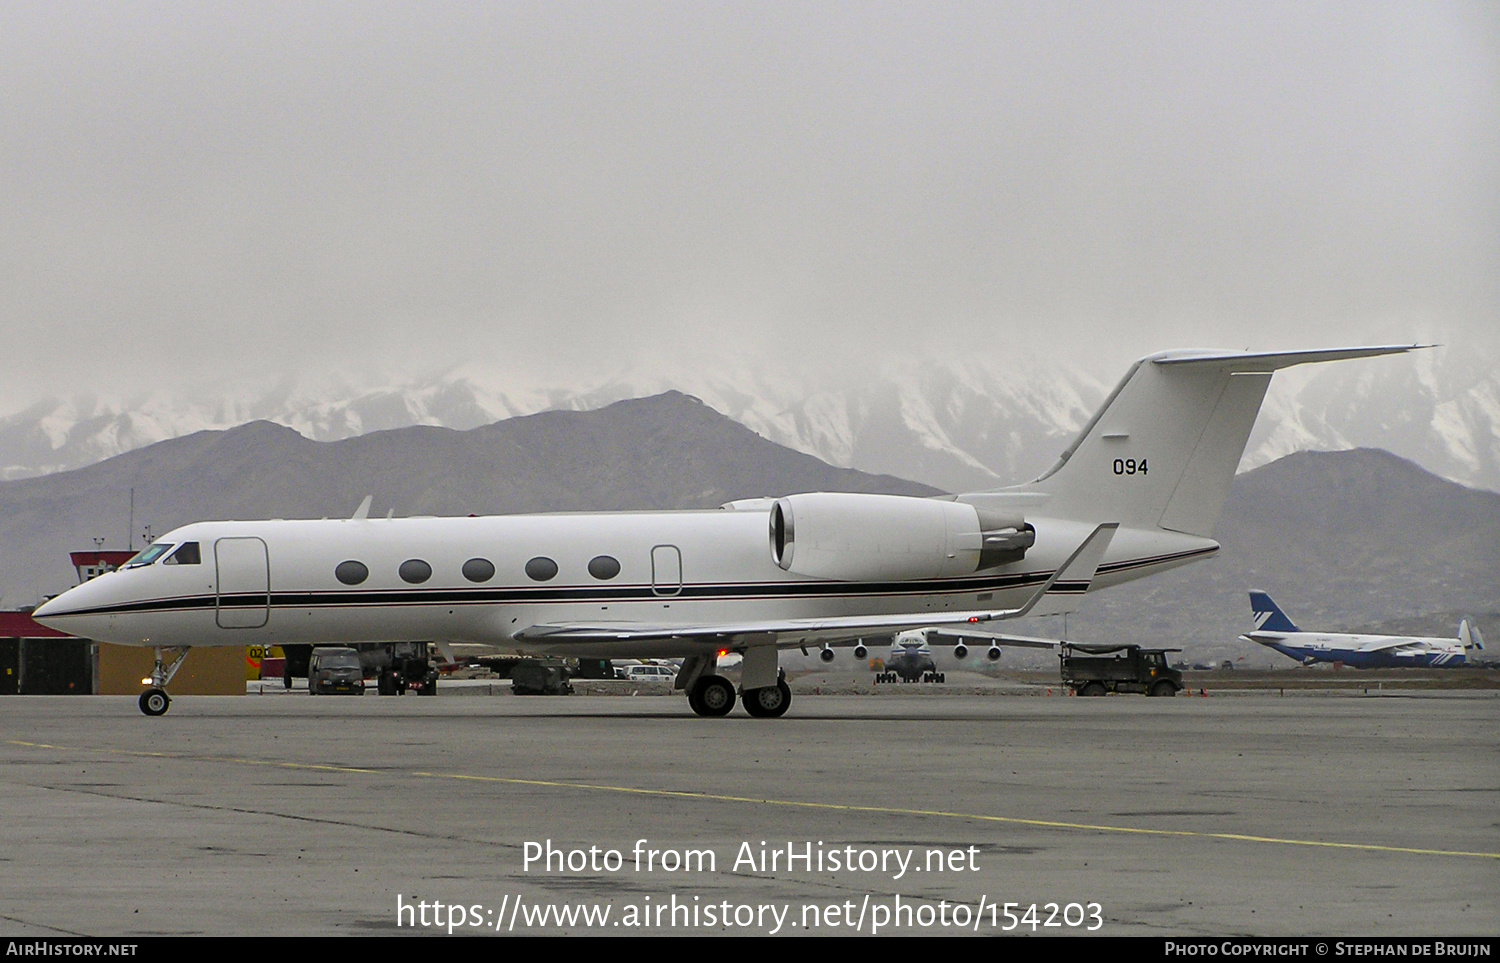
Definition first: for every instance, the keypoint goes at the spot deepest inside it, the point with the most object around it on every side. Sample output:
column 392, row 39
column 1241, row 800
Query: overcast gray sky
column 196, row 191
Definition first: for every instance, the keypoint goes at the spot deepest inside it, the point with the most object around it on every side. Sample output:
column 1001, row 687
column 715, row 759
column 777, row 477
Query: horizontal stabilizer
column 1275, row 360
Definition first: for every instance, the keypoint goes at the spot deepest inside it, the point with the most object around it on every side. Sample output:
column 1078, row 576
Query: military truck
column 1096, row 670
column 540, row 677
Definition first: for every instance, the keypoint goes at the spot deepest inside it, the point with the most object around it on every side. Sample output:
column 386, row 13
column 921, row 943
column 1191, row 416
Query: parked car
column 649, row 673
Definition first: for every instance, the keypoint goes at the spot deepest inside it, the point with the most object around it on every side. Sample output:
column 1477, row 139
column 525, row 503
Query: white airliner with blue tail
column 1138, row 492
column 1274, row 630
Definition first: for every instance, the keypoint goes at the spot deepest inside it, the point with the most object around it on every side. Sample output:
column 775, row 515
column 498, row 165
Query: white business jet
column 1138, row 492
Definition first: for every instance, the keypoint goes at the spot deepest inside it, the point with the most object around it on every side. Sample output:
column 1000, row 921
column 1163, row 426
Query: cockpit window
column 150, row 554
column 187, row 554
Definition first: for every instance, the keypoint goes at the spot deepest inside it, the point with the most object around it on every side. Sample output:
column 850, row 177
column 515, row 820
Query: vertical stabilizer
column 1469, row 637
column 1163, row 449
column 1268, row 614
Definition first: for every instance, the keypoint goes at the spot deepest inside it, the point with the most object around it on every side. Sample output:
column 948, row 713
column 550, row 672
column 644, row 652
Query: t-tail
column 1163, row 448
column 1268, row 614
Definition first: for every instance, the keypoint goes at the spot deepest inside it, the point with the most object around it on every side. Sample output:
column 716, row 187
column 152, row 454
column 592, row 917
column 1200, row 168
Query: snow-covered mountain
column 952, row 424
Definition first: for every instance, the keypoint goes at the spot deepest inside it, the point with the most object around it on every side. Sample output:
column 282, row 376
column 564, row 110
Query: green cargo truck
column 1096, row 670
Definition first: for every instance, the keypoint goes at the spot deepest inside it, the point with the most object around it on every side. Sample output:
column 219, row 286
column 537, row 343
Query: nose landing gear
column 155, row 701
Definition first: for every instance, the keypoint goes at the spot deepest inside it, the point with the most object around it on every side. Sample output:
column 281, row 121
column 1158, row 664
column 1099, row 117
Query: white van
column 650, row 673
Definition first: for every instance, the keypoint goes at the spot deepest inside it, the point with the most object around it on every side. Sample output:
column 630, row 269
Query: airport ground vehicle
column 335, row 669
column 1096, row 670
column 407, row 666
column 396, row 666
column 540, row 677
column 649, row 673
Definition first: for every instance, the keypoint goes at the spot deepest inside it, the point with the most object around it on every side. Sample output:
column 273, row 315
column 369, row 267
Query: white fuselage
column 274, row 582
column 1363, row 651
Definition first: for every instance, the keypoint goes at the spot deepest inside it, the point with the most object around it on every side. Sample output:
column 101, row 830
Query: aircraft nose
column 54, row 608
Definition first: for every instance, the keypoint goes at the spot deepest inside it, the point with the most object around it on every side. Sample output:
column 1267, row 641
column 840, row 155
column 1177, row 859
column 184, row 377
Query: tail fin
column 1469, row 637
column 1163, row 448
column 1268, row 615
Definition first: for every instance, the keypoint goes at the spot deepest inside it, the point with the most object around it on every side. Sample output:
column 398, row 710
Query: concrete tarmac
column 292, row 815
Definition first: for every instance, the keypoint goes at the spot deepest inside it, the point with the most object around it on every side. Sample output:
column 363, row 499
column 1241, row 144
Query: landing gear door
column 244, row 581
column 666, row 570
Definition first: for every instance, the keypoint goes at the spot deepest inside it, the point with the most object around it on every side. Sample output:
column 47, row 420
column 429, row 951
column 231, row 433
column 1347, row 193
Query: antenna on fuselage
column 363, row 511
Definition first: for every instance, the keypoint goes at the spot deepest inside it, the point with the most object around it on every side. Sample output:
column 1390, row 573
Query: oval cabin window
column 603, row 567
column 415, row 571
column 351, row 572
column 541, row 568
column 479, row 570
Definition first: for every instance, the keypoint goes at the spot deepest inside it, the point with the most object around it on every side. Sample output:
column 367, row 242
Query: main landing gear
column 713, row 695
column 155, row 701
column 769, row 702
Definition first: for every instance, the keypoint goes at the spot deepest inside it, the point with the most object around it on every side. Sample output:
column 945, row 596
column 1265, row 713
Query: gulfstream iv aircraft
column 1274, row 630
column 1139, row 491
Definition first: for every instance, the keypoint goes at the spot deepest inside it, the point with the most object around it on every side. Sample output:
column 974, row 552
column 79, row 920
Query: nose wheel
column 155, row 701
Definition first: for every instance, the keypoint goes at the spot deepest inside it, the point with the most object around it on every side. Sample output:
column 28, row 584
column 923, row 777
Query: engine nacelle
column 826, row 655
column 855, row 537
column 994, row 653
column 960, row 651
column 860, row 651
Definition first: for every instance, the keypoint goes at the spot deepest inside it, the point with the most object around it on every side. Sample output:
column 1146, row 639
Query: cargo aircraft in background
column 1274, row 630
column 910, row 658
column 1139, row 491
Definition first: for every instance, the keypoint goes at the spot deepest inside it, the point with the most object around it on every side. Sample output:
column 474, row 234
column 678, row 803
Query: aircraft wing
column 1078, row 571
column 1392, row 642
column 786, row 632
column 955, row 635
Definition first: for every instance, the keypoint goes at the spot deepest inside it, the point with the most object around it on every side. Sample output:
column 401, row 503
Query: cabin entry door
column 244, row 583
column 666, row 570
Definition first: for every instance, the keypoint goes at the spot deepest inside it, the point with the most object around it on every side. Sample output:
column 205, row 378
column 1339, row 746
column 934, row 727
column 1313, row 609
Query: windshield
column 150, row 554
column 338, row 660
